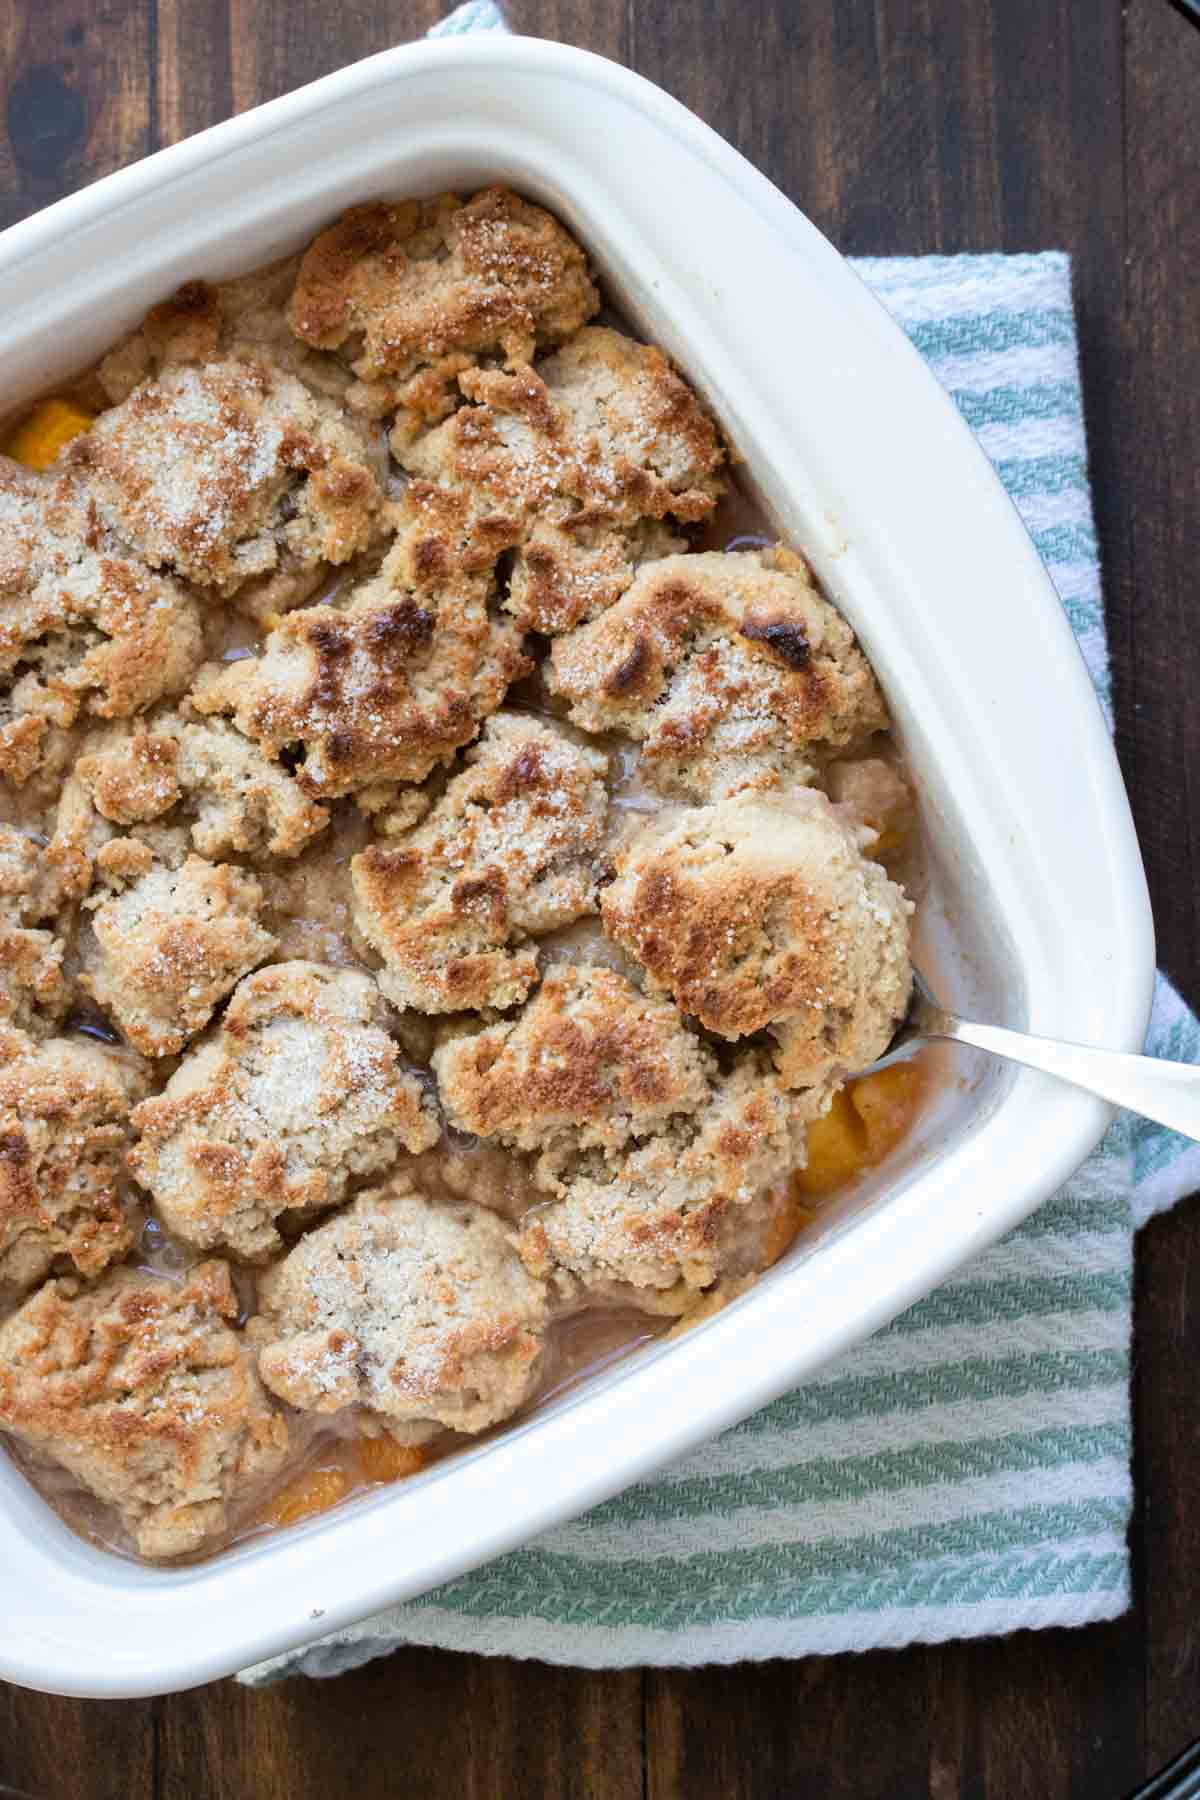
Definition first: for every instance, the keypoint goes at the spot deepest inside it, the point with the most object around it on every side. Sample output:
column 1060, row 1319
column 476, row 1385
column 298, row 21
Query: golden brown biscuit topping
column 576, row 465
column 383, row 690
column 301, row 1091
column 414, row 291
column 729, row 670
column 84, row 626
column 64, row 1124
column 144, row 1392
column 764, row 912
column 658, row 1224
column 422, row 1313
column 561, row 947
column 171, row 946
column 587, row 1061
column 511, row 849
column 219, row 471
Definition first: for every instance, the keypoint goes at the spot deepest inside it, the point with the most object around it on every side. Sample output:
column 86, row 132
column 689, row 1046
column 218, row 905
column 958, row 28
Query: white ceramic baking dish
column 1038, row 913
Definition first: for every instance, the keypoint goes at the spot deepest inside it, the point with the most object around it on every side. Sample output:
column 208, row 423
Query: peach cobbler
column 442, row 895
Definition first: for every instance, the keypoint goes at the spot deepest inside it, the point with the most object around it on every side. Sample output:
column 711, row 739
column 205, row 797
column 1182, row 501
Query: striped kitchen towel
column 967, row 1471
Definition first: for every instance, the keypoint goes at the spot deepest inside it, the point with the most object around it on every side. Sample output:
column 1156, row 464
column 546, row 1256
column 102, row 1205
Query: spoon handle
column 1168, row 1092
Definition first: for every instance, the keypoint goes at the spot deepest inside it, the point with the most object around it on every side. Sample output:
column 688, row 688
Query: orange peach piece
column 315, row 1491
column 836, row 1149
column 886, row 1102
column 37, row 440
column 382, row 1459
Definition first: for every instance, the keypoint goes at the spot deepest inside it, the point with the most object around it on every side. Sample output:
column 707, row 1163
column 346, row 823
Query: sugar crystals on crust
column 300, row 1090
column 142, row 1389
column 172, row 945
column 414, row 291
column 85, row 627
column 231, row 470
column 728, row 669
column 588, row 1061
column 34, row 993
column 382, row 690
column 421, row 1313
column 763, row 913
column 238, row 801
column 577, row 465
column 64, row 1125
column 660, row 1221
column 511, row 849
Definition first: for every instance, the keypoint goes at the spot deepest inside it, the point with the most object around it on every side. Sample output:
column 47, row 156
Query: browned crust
column 382, row 691
column 64, row 1118
column 135, row 780
column 737, row 942
column 418, row 290
column 760, row 912
column 141, row 1389
column 588, row 1055
column 729, row 669
column 512, row 848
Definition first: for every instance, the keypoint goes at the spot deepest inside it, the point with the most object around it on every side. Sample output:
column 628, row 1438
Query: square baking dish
column 1037, row 916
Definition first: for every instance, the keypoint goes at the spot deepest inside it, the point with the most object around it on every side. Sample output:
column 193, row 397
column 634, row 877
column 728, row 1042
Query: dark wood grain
column 420, row 1724
column 1160, row 741
column 78, row 97
column 76, row 1749
column 899, row 125
column 1038, row 1716
column 1161, row 432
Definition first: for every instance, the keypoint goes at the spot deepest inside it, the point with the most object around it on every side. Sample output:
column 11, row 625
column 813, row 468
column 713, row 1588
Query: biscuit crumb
column 301, row 1090
column 763, row 913
column 511, row 849
column 245, row 804
column 421, row 1313
column 729, row 670
column 170, row 948
column 183, row 329
column 34, row 992
column 27, row 896
column 140, row 1388
column 35, row 995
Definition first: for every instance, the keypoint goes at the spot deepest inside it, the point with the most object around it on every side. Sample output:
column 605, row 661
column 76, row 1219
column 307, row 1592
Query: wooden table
column 899, row 125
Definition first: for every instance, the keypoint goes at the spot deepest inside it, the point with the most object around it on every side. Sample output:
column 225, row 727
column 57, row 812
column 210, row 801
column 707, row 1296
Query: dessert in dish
column 441, row 895
column 143, row 1390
